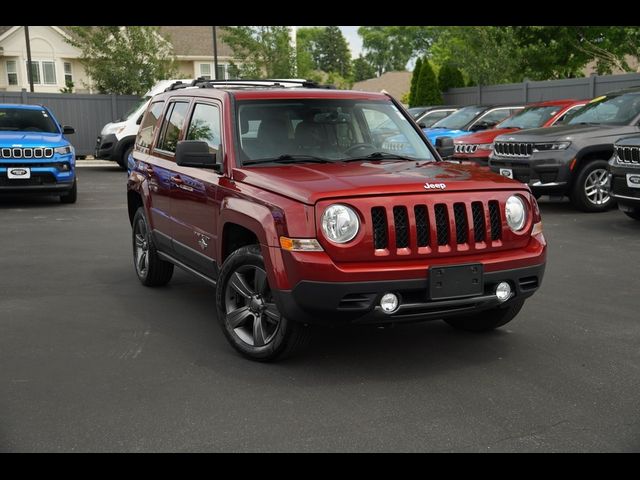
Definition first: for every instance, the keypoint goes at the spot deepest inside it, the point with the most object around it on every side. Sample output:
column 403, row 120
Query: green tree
column 414, row 83
column 449, row 76
column 487, row 55
column 261, row 51
column 307, row 50
column 361, row 69
column 124, row 60
column 333, row 52
column 427, row 91
column 387, row 48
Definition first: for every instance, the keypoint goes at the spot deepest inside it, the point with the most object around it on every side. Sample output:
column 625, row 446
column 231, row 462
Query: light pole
column 215, row 55
column 29, row 68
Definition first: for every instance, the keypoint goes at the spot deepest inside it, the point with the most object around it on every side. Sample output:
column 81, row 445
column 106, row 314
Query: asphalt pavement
column 92, row 361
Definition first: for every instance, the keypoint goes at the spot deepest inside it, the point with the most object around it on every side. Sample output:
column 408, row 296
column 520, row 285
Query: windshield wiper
column 287, row 158
column 379, row 155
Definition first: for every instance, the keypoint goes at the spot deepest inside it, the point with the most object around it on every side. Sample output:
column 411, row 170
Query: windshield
column 325, row 130
column 532, row 117
column 416, row 111
column 460, row 119
column 133, row 109
column 611, row 110
column 27, row 120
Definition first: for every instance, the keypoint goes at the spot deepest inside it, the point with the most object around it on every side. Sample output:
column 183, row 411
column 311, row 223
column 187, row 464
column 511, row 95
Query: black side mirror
column 194, row 153
column 139, row 120
column 444, row 146
column 422, row 125
column 67, row 130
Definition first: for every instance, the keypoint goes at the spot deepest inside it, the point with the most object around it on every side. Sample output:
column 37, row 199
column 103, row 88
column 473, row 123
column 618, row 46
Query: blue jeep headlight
column 64, row 150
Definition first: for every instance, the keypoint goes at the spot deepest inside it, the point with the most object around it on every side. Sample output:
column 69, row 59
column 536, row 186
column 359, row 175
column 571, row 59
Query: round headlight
column 340, row 223
column 516, row 213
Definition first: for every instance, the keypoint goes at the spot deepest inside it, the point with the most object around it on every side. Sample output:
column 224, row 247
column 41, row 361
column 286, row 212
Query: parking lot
column 93, row 361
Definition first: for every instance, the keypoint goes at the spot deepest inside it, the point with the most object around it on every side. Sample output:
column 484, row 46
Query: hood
column 592, row 133
column 433, row 133
column 309, row 183
column 32, row 139
column 111, row 127
column 483, row 136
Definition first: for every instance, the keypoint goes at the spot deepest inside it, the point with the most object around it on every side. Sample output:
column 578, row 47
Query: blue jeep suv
column 35, row 155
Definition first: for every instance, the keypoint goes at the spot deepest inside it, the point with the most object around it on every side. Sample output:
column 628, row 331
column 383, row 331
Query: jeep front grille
column 628, row 155
column 513, row 149
column 437, row 225
column 465, row 148
column 26, row 152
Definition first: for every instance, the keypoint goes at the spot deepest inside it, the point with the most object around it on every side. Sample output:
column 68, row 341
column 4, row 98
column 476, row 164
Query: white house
column 54, row 61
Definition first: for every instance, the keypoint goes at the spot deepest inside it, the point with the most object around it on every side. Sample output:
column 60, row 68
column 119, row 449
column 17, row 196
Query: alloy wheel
column 595, row 187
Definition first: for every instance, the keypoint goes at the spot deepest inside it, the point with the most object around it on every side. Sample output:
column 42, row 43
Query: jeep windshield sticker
column 597, row 99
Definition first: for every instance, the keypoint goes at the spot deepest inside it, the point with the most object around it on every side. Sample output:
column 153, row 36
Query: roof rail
column 267, row 82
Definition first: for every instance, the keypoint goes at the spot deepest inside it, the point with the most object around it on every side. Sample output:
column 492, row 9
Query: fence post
column 23, row 95
column 479, row 94
column 592, row 85
column 114, row 109
column 525, row 87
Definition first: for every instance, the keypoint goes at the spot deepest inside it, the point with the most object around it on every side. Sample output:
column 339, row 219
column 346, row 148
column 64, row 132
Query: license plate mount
column 458, row 281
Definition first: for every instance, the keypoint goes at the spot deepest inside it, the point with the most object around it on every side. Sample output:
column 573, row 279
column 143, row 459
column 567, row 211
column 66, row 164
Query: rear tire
column 72, row 195
column 152, row 271
column 247, row 311
column 589, row 192
column 487, row 320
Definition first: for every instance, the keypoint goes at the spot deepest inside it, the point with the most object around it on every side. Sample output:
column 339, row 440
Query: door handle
column 177, row 180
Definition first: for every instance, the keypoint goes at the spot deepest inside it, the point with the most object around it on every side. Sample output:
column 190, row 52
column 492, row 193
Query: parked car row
column 583, row 149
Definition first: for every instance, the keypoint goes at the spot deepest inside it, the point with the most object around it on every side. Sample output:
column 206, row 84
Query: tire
column 488, row 319
column 589, row 192
column 247, row 312
column 635, row 214
column 152, row 271
column 72, row 195
column 123, row 161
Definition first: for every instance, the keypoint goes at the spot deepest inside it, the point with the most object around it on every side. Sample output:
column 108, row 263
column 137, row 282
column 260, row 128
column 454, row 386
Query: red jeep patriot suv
column 286, row 200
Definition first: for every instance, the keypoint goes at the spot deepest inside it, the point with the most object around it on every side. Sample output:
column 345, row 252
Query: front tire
column 72, row 195
column 590, row 192
column 488, row 319
column 247, row 312
column 123, row 162
column 635, row 213
column 152, row 271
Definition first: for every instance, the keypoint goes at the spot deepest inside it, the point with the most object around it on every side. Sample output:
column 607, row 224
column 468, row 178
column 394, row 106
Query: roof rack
column 201, row 82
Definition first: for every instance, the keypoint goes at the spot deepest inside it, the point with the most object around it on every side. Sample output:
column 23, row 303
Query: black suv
column 624, row 168
column 571, row 159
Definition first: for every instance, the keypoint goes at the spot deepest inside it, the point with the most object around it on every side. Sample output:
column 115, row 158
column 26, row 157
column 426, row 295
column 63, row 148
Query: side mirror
column 444, row 146
column 194, row 153
column 422, row 125
column 67, row 130
column 139, row 120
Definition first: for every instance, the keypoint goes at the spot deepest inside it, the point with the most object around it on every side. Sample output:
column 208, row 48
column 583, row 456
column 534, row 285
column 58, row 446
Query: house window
column 68, row 75
column 205, row 71
column 44, row 72
column 49, row 73
column 12, row 72
column 222, row 70
column 35, row 72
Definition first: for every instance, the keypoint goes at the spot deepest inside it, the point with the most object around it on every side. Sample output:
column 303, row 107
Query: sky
column 355, row 42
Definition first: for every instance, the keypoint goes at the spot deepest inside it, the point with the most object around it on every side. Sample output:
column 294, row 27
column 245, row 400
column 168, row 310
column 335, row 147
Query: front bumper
column 106, row 147
column 358, row 302
column 50, row 176
column 541, row 172
column 628, row 198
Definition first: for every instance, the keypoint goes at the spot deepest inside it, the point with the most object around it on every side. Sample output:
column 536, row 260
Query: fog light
column 503, row 291
column 389, row 303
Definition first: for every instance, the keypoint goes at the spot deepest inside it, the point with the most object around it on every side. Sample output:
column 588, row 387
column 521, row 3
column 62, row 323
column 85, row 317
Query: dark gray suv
column 571, row 159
